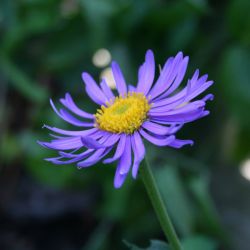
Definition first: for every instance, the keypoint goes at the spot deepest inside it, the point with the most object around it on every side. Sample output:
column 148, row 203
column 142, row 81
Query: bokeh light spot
column 109, row 78
column 101, row 58
column 245, row 169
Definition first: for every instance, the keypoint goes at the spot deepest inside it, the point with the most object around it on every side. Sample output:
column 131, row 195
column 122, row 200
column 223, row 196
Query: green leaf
column 25, row 19
column 115, row 204
column 183, row 34
column 199, row 5
column 239, row 19
column 43, row 171
column 209, row 217
column 175, row 198
column 47, row 173
column 154, row 245
column 98, row 238
column 9, row 148
column 96, row 10
column 72, row 49
column 22, row 83
column 235, row 81
column 199, row 242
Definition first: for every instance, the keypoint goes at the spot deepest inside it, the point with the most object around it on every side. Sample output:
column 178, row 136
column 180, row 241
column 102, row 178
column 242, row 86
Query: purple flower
column 154, row 112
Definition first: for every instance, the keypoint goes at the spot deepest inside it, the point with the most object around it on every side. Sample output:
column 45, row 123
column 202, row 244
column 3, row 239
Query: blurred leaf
column 209, row 217
column 135, row 222
column 9, row 148
column 235, row 79
column 49, row 174
column 183, row 34
column 71, row 49
column 154, row 245
column 200, row 5
column 98, row 14
column 31, row 17
column 30, row 89
column 199, row 242
column 98, row 237
column 99, row 10
column 175, row 198
column 134, row 13
column 45, row 172
column 8, row 13
column 121, row 54
column 173, row 13
column 115, row 203
column 242, row 145
column 239, row 19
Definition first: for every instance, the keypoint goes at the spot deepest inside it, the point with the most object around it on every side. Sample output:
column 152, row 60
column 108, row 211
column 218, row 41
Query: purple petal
column 93, row 90
column 54, row 108
column 175, row 99
column 93, row 96
column 100, row 153
column 146, row 73
column 181, row 117
column 139, row 152
column 72, row 133
column 195, row 76
column 104, row 139
column 155, row 128
column 170, row 71
column 125, row 161
column 163, row 75
column 74, row 121
column 112, row 140
column 172, row 127
column 75, row 155
column 91, row 143
column 69, row 118
column 63, row 144
column 208, row 97
column 59, row 161
column 131, row 88
column 156, row 140
column 196, row 81
column 172, row 109
column 119, row 150
column 69, row 104
column 119, row 79
column 106, row 90
column 71, row 154
column 123, row 165
column 94, row 158
column 180, row 143
column 180, row 75
column 199, row 90
column 107, row 139
column 194, row 88
column 119, row 179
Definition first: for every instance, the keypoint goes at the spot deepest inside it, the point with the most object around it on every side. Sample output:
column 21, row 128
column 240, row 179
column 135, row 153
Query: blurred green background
column 44, row 47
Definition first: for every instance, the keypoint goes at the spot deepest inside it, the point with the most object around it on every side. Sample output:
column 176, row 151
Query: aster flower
column 150, row 111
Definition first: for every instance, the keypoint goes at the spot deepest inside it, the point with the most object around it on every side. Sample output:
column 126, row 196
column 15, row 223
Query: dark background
column 44, row 47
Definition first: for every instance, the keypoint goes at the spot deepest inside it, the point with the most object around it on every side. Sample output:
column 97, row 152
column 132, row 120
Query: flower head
column 154, row 112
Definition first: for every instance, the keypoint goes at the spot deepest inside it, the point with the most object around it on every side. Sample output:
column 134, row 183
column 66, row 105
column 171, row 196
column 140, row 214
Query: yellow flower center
column 124, row 114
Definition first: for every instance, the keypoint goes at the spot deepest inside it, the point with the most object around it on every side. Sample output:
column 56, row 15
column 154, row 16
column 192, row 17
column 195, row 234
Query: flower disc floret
column 123, row 115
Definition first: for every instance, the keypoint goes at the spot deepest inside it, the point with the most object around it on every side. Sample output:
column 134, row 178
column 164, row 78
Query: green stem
column 159, row 207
